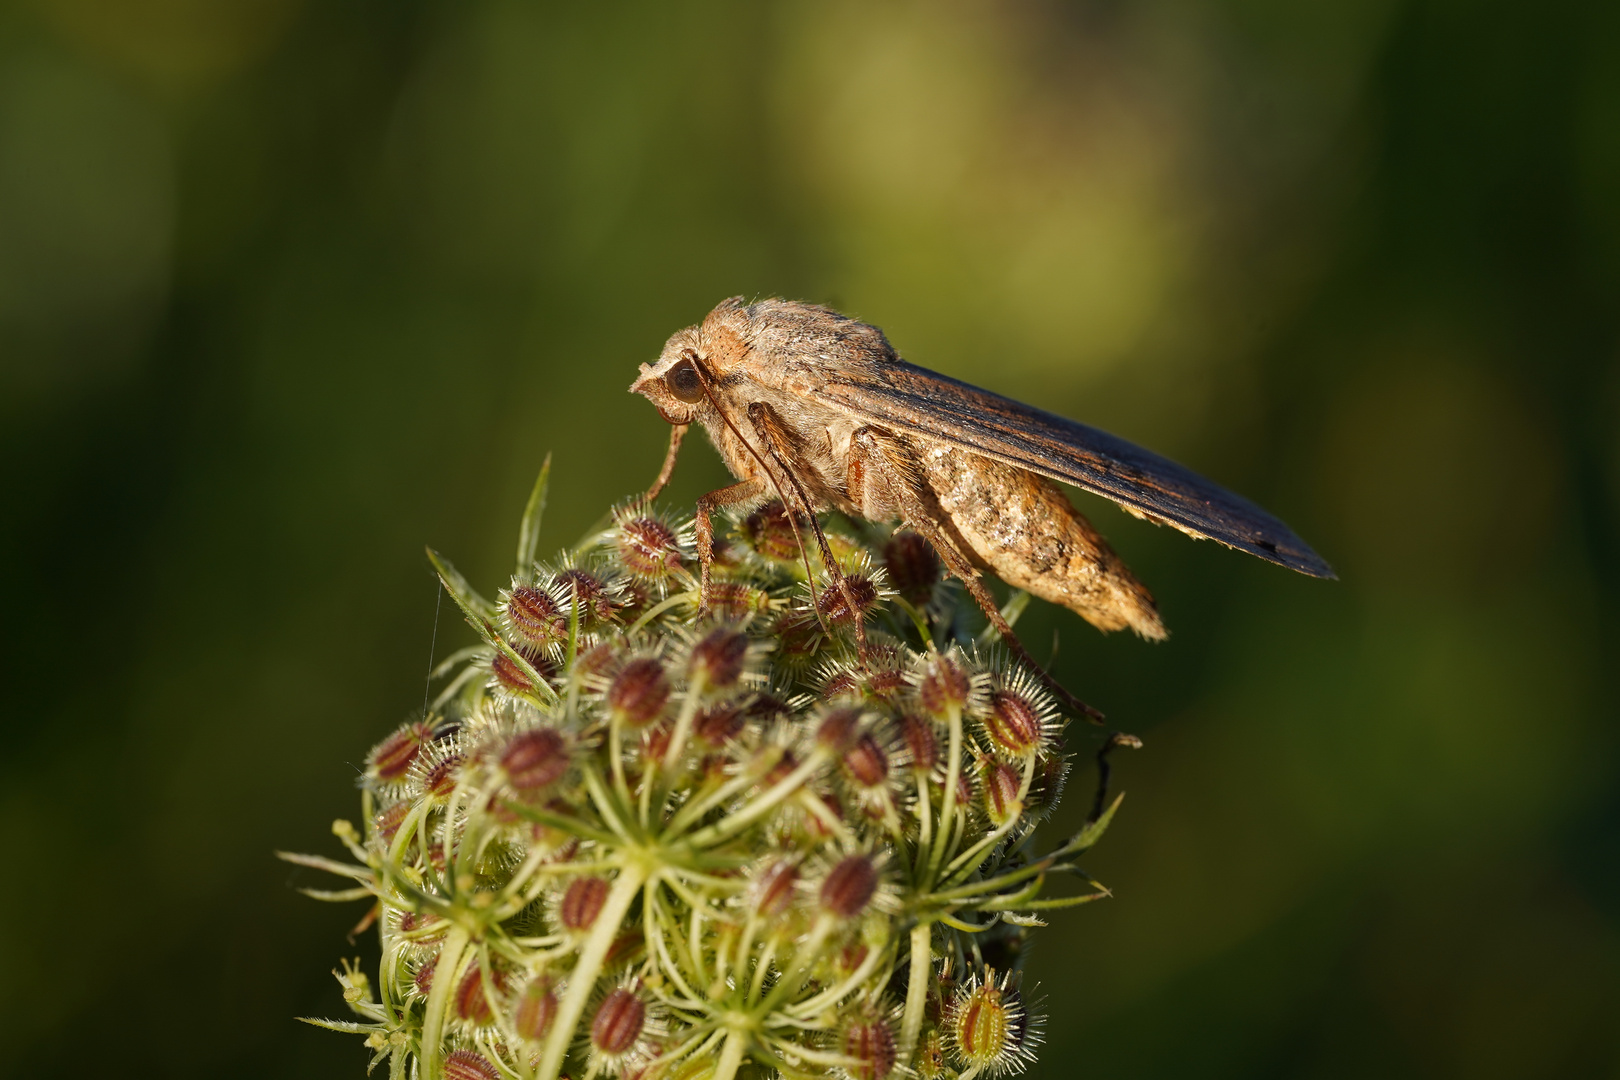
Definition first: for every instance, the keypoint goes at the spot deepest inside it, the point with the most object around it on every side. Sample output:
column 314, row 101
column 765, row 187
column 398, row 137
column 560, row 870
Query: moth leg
column 908, row 493
column 741, row 491
column 676, row 433
column 769, row 429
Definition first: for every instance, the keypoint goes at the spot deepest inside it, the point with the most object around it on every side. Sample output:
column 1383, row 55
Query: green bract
column 632, row 839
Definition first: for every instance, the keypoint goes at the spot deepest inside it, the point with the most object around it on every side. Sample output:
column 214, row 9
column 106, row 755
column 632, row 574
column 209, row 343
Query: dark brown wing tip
column 1295, row 556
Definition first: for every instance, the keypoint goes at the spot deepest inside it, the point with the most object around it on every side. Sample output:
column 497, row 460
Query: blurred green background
column 288, row 290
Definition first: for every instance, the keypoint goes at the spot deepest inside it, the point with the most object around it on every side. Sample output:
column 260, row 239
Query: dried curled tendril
column 633, row 838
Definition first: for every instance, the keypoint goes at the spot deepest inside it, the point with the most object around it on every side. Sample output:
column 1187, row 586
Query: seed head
column 423, row 979
column 737, row 600
column 717, row 724
column 392, row 758
column 913, row 566
column 718, row 659
column 574, row 585
column 943, row 684
column 639, row 692
column 438, row 778
column 618, row 1022
column 532, row 619
column 1001, row 784
column 987, row 1029
column 769, row 532
column 649, row 549
column 471, row 1003
column 536, row 1009
column 389, row 820
column 469, row 1065
column 833, row 605
column 511, row 678
column 922, row 746
column 869, row 1039
column 772, row 892
column 838, row 728
column 849, row 886
column 867, row 763
column 582, row 902
column 534, row 760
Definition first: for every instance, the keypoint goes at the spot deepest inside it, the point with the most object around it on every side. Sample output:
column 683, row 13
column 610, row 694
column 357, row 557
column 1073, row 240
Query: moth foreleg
column 741, row 491
column 676, row 433
column 913, row 500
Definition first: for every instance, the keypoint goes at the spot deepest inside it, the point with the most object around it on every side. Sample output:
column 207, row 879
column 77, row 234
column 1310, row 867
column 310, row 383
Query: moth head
column 682, row 381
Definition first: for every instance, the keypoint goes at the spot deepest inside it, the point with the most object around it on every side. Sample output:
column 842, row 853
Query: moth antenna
column 804, row 552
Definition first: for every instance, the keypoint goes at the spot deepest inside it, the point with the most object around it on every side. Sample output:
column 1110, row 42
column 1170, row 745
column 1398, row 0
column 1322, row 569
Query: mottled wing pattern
column 918, row 401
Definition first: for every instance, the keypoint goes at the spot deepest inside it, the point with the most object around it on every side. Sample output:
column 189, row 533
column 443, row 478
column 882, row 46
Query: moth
column 817, row 409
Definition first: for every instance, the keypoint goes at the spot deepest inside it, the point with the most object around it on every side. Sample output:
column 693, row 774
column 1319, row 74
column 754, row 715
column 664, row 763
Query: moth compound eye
column 685, row 383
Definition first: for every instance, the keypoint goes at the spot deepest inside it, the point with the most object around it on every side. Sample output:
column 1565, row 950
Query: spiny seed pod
column 388, row 822
column 838, row 728
column 772, row 892
column 422, row 981
column 536, row 1009
column 439, row 778
column 582, row 903
column 534, row 760
column 833, row 604
column 769, row 532
column 392, row 758
column 716, row 725
column 471, row 1003
column 718, row 660
column 736, row 600
column 469, row 1065
column 588, row 591
column 618, row 1022
column 1001, row 785
column 411, row 922
column 532, row 619
column 943, row 685
column 867, row 763
column 929, row 1063
column 922, row 746
column 1013, row 724
column 869, row 1040
column 913, row 566
column 986, row 1028
column 509, row 676
column 639, row 692
column 649, row 549
column 849, row 887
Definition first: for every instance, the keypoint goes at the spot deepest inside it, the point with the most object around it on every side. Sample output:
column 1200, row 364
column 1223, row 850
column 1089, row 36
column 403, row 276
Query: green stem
column 583, row 978
column 683, row 729
column 444, row 981
column 736, row 823
column 947, row 810
column 731, row 1056
column 922, row 962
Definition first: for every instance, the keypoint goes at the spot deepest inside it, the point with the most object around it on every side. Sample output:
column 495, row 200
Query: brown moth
column 817, row 408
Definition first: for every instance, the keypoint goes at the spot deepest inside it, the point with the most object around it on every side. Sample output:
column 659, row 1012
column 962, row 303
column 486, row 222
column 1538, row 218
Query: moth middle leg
column 742, row 491
column 874, row 457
